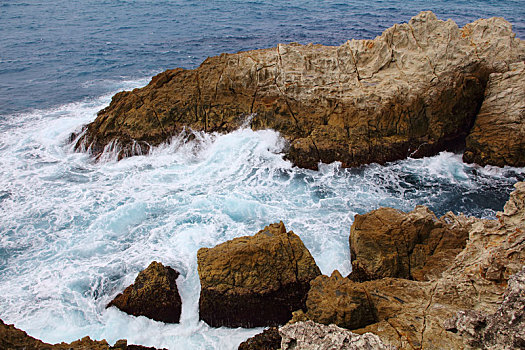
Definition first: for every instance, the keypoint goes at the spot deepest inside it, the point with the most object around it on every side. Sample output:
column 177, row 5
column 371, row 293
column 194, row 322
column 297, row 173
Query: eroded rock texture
column 504, row 329
column 154, row 294
column 269, row 339
column 314, row 336
column 390, row 243
column 255, row 280
column 498, row 135
column 415, row 90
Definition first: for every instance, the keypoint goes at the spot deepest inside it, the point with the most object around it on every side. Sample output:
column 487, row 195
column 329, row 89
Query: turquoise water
column 74, row 233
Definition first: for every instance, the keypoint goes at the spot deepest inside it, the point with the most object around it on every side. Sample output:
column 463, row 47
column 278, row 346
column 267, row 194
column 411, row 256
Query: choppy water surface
column 74, row 233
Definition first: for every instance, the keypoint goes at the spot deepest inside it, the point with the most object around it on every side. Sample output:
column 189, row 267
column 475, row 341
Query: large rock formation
column 255, row 280
column 12, row 338
column 390, row 243
column 410, row 314
column 154, row 294
column 314, row 336
column 498, row 135
column 413, row 91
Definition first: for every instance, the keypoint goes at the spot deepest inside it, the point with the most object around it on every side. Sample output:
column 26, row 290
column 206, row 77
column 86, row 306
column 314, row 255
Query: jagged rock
column 269, row 339
column 154, row 294
column 337, row 300
column 498, row 135
column 314, row 336
column 255, row 280
column 503, row 330
column 12, row 338
column 390, row 243
column 415, row 90
column 411, row 314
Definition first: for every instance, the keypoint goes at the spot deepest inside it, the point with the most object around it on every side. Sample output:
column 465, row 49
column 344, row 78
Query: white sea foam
column 74, row 233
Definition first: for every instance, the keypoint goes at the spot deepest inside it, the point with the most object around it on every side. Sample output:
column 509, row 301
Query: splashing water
column 74, row 233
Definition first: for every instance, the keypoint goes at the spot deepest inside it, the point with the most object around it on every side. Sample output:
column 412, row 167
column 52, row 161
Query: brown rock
column 416, row 245
column 269, row 339
column 498, row 135
column 12, row 338
column 154, row 294
column 255, row 280
column 337, row 300
column 411, row 314
column 415, row 90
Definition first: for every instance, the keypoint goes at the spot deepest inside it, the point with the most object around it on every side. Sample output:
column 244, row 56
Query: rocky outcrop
column 498, row 135
column 154, row 294
column 390, row 243
column 337, row 300
column 255, row 280
column 504, row 329
column 415, row 314
column 314, row 336
column 12, row 338
column 411, row 314
column 413, row 91
column 269, row 339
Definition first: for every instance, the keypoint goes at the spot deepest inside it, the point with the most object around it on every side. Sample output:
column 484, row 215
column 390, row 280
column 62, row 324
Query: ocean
column 74, row 232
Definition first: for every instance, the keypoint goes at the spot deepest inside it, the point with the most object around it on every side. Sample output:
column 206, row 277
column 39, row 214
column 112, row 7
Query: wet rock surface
column 154, row 294
column 498, row 135
column 390, row 243
column 413, row 91
column 255, row 280
column 314, row 336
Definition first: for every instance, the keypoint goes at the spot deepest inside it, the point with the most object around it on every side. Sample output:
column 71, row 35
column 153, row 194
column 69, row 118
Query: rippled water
column 74, row 233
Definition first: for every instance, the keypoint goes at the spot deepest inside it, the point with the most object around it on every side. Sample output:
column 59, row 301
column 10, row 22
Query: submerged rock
column 498, row 135
column 413, row 91
column 390, row 243
column 154, row 294
column 314, row 336
column 12, row 338
column 255, row 280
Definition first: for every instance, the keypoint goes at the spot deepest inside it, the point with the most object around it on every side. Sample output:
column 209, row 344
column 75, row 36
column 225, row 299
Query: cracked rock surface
column 255, row 280
column 413, row 91
column 498, row 135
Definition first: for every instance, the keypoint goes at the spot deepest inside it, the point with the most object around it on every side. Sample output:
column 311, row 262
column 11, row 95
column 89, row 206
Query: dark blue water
column 55, row 52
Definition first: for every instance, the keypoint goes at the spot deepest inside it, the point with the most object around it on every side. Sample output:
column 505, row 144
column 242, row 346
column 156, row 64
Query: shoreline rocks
column 154, row 294
column 413, row 91
column 12, row 338
column 255, row 281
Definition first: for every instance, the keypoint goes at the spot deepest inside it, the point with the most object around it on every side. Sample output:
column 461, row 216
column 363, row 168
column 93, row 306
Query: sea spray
column 75, row 232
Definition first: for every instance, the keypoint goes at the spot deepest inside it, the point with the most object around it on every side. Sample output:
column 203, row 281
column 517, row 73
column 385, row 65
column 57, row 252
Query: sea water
column 74, row 232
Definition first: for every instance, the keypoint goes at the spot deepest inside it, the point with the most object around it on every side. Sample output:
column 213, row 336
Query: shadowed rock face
column 390, row 243
column 415, row 90
column 154, row 294
column 498, row 136
column 255, row 280
column 269, row 339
